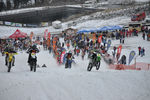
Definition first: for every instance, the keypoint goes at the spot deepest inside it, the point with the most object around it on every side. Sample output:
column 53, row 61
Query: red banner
column 119, row 49
column 100, row 39
column 118, row 52
column 49, row 35
column 62, row 57
column 45, row 33
column 94, row 38
column 31, row 35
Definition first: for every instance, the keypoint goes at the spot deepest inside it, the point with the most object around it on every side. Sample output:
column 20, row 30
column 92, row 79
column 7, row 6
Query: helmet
column 95, row 52
column 34, row 46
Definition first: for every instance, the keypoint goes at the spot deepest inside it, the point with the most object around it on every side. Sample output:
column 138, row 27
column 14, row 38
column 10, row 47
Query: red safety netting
column 137, row 66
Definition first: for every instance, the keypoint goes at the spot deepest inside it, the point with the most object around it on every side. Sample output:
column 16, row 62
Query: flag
column 45, row 33
column 100, row 39
column 31, row 35
column 119, row 49
column 94, row 38
column 62, row 57
column 49, row 35
column 131, row 56
column 108, row 44
column 118, row 52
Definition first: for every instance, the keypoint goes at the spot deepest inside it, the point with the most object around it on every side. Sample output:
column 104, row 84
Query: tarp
column 116, row 27
column 18, row 34
column 105, row 28
column 83, row 31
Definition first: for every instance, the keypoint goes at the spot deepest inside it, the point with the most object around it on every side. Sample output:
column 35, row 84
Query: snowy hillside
column 57, row 83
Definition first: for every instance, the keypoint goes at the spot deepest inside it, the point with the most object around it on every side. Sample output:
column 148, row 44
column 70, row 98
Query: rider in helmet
column 95, row 56
column 32, row 51
column 9, row 52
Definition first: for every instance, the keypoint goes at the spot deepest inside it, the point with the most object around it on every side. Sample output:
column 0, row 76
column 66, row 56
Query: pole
column 135, row 63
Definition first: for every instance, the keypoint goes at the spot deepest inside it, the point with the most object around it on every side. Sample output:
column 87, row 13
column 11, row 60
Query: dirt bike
column 10, row 61
column 32, row 63
column 92, row 64
column 33, row 66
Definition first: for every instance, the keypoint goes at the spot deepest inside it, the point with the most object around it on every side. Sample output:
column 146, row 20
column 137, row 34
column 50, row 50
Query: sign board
column 44, row 23
column 18, row 25
column 31, row 25
column 7, row 23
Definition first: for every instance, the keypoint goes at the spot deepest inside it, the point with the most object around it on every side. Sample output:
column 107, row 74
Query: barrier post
column 148, row 66
column 135, row 62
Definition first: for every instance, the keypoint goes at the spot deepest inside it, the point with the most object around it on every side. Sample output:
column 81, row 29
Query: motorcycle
column 92, row 64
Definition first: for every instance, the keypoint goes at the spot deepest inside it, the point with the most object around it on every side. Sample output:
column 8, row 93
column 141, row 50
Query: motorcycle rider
column 32, row 53
column 9, row 52
column 69, row 60
column 95, row 57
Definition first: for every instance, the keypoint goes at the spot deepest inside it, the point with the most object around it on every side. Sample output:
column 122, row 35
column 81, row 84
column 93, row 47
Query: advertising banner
column 18, row 25
column 7, row 23
column 131, row 56
column 44, row 24
column 108, row 44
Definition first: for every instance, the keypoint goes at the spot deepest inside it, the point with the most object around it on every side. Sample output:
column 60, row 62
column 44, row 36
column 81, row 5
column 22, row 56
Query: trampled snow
column 57, row 83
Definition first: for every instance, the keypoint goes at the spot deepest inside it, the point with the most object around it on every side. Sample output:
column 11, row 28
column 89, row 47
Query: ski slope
column 57, row 83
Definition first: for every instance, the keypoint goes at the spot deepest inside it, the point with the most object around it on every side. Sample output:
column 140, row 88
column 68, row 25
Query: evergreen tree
column 8, row 5
column 16, row 3
column 2, row 5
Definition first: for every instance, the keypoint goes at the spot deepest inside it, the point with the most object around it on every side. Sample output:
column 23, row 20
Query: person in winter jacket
column 139, row 48
column 142, row 52
column 143, row 36
column 69, row 58
column 123, row 60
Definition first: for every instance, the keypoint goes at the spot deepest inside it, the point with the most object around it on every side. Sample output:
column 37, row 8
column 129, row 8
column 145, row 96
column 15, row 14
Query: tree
column 16, row 3
column 8, row 5
column 2, row 6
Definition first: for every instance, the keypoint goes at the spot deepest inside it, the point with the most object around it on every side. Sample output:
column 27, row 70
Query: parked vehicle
column 135, row 25
column 138, row 17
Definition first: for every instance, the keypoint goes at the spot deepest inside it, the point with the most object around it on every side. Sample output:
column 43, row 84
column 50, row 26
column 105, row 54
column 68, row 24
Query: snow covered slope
column 57, row 83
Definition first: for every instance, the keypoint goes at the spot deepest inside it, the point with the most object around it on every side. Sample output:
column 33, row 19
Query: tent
column 18, row 34
column 116, row 27
column 83, row 31
column 87, row 31
column 106, row 28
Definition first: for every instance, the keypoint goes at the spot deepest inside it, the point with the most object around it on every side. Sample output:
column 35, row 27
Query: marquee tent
column 18, row 34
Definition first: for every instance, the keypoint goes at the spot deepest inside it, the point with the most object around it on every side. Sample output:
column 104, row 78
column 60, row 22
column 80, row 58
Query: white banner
column 44, row 23
column 8, row 23
column 18, row 25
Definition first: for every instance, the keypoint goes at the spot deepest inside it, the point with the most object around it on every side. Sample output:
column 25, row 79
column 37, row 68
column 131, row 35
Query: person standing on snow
column 143, row 36
column 142, row 52
column 139, row 48
column 69, row 58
